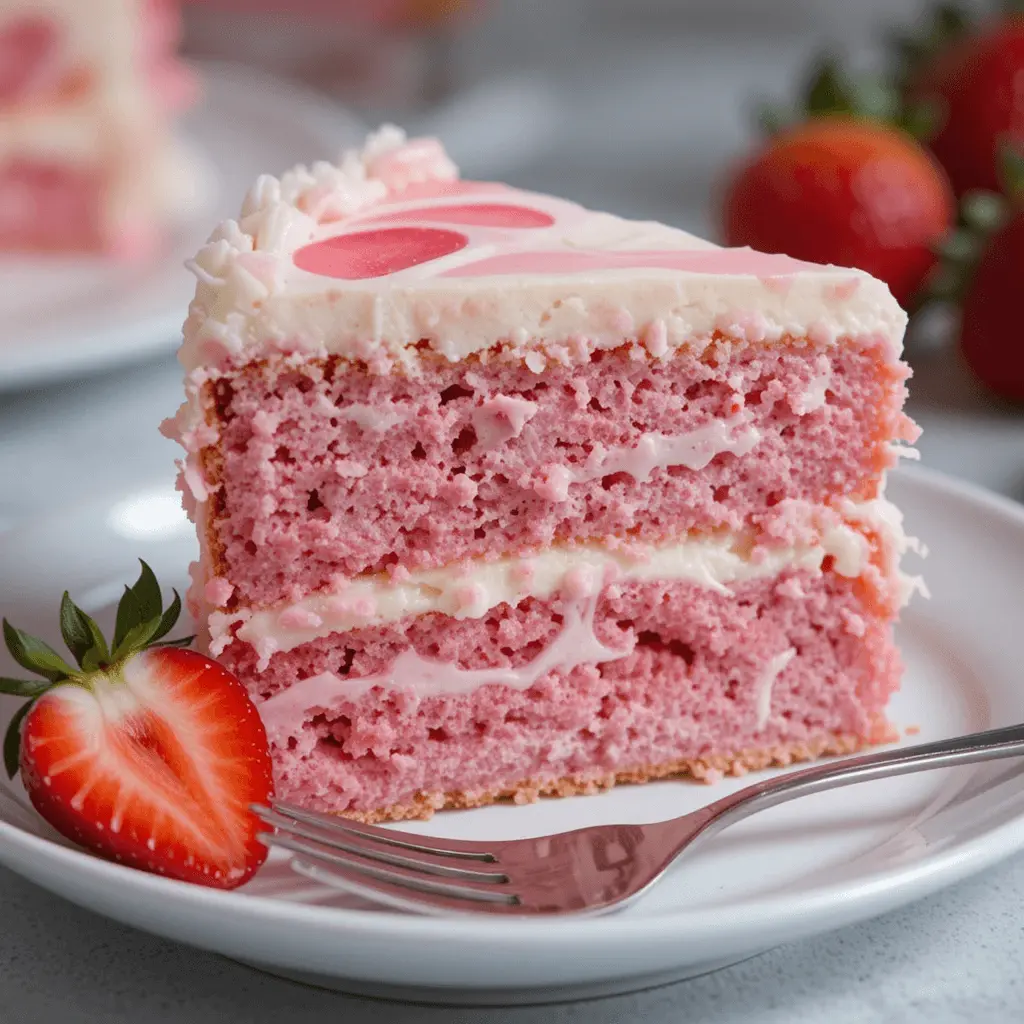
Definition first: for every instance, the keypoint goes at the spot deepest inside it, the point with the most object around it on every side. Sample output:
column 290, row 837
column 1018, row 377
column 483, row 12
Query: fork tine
column 399, row 897
column 412, row 886
column 351, row 842
column 456, row 848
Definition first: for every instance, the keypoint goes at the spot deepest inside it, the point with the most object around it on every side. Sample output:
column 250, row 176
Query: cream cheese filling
column 470, row 589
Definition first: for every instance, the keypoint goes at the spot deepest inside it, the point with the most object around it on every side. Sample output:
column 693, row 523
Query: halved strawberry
column 148, row 754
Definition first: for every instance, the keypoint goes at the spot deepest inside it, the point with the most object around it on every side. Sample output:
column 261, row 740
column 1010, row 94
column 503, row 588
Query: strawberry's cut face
column 144, row 752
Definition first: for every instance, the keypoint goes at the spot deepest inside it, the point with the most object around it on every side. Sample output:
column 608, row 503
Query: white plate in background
column 64, row 316
column 805, row 868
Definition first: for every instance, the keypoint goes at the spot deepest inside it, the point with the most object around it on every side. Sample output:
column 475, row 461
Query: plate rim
column 821, row 905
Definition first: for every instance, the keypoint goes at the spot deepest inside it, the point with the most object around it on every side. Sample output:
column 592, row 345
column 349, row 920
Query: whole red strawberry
column 990, row 335
column 145, row 753
column 842, row 190
column 977, row 84
column 990, row 332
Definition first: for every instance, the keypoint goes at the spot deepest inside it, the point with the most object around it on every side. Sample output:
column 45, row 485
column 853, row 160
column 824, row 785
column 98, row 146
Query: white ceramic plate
column 63, row 316
column 814, row 865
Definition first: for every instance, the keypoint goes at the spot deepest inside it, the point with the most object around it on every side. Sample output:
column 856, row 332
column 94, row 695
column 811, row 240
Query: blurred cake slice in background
column 89, row 90
column 498, row 496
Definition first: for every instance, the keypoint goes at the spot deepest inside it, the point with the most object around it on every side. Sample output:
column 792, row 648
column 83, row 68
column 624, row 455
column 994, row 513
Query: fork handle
column 969, row 749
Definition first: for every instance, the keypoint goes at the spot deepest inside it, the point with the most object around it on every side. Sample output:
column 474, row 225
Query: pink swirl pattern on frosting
column 502, row 239
column 378, row 253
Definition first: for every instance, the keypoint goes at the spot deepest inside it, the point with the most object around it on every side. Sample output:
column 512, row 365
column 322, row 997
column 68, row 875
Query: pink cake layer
column 685, row 697
column 450, row 467
column 49, row 206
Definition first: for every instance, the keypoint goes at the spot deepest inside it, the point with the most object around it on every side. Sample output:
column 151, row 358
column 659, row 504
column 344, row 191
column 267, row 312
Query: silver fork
column 587, row 871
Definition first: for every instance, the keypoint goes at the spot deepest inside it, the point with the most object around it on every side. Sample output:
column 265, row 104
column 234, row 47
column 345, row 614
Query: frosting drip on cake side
column 766, row 683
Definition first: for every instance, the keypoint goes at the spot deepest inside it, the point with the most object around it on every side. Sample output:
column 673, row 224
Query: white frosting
column 694, row 450
column 501, row 418
column 471, row 589
column 376, row 418
column 885, row 520
column 903, row 452
column 579, row 573
column 814, row 396
column 243, row 310
column 576, row 644
column 766, row 683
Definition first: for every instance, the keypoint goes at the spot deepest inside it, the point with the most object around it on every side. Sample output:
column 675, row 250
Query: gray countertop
column 954, row 957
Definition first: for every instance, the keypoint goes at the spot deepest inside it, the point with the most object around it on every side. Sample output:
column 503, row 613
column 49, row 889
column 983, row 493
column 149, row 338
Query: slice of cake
column 88, row 91
column 500, row 497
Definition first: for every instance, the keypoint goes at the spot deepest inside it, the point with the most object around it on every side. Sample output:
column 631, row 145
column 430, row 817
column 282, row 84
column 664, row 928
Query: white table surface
column 955, row 957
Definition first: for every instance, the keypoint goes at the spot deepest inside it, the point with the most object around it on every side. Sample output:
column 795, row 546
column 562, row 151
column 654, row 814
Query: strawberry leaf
column 31, row 653
column 147, row 593
column 909, row 50
column 141, row 621
column 94, row 659
column 12, row 740
column 81, row 633
column 1011, row 171
column 921, row 120
column 949, row 22
column 960, row 246
column 141, row 603
column 23, row 687
column 129, row 615
column 168, row 619
column 829, row 91
column 185, row 641
column 833, row 91
column 136, row 639
column 983, row 212
column 875, row 99
column 73, row 628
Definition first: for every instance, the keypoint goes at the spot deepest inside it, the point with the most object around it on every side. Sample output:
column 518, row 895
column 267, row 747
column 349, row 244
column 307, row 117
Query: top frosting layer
column 389, row 251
